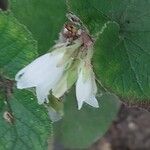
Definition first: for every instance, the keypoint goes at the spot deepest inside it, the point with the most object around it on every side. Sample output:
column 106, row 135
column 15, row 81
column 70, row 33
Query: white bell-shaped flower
column 86, row 88
column 45, row 72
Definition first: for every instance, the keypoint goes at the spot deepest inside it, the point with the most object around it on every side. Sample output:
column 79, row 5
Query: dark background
column 4, row 4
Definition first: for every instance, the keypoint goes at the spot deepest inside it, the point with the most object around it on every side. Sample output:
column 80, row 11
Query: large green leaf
column 31, row 127
column 122, row 63
column 44, row 18
column 122, row 51
column 17, row 47
column 80, row 128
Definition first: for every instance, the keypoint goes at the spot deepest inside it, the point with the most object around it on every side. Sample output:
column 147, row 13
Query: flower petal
column 31, row 74
column 43, row 89
column 86, row 88
column 70, row 49
column 83, row 89
column 39, row 70
column 94, row 85
column 42, row 93
column 93, row 102
column 61, row 87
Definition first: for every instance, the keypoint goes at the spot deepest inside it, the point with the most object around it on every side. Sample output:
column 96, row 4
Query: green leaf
column 43, row 18
column 31, row 127
column 122, row 63
column 97, row 12
column 17, row 47
column 80, row 128
column 92, row 18
column 122, row 51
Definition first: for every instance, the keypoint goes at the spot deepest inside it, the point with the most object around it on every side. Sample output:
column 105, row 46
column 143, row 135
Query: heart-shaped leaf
column 122, row 64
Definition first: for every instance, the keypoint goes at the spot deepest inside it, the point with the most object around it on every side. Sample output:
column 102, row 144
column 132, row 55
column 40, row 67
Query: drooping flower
column 57, row 71
column 45, row 72
column 86, row 88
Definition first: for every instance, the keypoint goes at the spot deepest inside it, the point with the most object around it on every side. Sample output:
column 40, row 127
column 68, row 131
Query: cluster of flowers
column 68, row 63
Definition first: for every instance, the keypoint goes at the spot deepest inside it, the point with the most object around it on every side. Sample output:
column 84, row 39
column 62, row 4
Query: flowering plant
column 101, row 59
